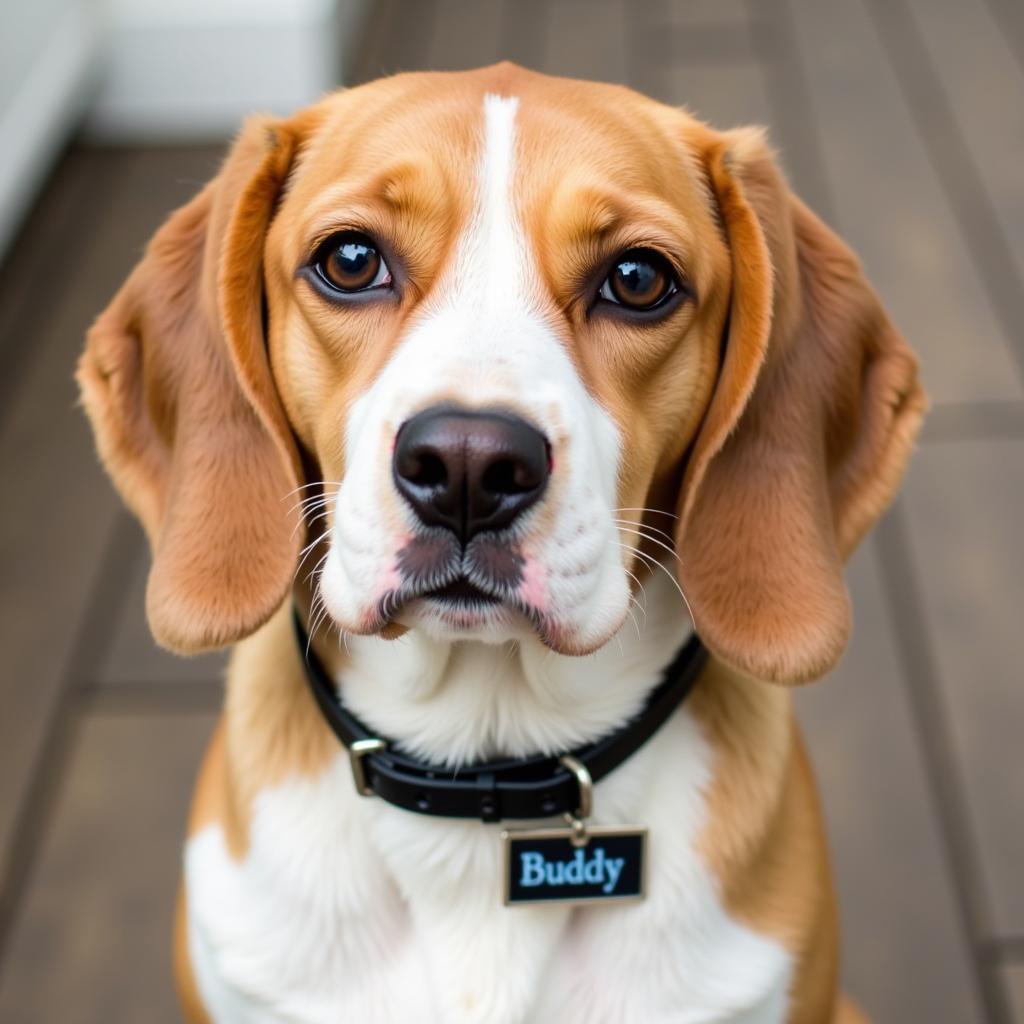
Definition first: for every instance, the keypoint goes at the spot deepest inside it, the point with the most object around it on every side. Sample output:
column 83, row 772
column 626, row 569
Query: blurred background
column 900, row 121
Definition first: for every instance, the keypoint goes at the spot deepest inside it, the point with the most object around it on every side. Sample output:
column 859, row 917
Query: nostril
column 508, row 476
column 426, row 469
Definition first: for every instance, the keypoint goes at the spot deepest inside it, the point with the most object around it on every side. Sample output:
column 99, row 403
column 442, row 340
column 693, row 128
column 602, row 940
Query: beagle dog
column 462, row 403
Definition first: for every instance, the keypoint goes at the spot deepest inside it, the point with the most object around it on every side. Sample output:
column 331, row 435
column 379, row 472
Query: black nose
column 469, row 471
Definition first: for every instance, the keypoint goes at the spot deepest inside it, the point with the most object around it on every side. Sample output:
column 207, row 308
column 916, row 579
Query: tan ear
column 176, row 383
column 806, row 437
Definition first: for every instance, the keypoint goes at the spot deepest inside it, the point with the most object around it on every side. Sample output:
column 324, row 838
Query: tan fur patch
column 764, row 838
column 274, row 730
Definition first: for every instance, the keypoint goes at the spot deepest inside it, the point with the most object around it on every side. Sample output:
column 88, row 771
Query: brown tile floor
column 901, row 121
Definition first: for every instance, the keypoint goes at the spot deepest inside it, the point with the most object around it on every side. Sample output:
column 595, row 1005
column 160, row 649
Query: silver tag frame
column 567, row 832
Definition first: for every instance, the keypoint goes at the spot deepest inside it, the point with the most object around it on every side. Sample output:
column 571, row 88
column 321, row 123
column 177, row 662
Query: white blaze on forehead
column 503, row 253
column 491, row 264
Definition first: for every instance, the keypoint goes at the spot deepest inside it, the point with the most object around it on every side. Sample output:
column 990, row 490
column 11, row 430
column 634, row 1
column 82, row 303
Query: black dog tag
column 544, row 866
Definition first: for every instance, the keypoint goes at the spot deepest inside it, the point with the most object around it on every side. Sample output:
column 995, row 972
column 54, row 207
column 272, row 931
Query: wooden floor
column 902, row 122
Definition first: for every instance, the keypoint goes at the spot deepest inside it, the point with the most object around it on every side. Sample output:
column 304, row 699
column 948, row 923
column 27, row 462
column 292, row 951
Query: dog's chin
column 448, row 618
column 491, row 621
column 453, row 608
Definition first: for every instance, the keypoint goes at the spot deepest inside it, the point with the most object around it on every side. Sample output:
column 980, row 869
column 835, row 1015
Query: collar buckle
column 356, row 752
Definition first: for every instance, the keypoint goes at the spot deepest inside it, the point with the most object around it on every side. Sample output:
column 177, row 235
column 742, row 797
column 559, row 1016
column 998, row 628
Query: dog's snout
column 469, row 471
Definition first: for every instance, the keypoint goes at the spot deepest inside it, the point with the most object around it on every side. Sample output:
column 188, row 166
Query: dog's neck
column 457, row 702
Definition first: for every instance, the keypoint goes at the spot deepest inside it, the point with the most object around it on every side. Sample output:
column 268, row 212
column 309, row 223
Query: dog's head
column 534, row 335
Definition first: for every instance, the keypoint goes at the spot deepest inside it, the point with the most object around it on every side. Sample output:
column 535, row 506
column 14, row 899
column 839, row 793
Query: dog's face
column 531, row 334
column 494, row 321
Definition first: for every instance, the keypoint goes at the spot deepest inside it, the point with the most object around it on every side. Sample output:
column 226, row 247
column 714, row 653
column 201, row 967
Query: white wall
column 154, row 71
column 192, row 69
column 48, row 63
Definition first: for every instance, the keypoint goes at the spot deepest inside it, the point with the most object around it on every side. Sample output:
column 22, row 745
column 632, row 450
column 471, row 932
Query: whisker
column 313, row 543
column 314, row 501
column 636, row 580
column 321, row 616
column 654, row 540
column 323, row 495
column 644, row 526
column 312, row 483
column 308, row 550
column 653, row 562
column 636, row 625
column 312, row 572
column 311, row 626
column 319, row 516
column 653, row 511
column 308, row 525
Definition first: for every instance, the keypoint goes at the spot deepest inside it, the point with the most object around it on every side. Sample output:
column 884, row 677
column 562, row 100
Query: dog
column 463, row 404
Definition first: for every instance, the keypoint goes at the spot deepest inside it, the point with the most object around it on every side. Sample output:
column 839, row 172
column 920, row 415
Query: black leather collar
column 521, row 788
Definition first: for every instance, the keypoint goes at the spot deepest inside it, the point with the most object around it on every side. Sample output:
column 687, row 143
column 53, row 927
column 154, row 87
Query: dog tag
column 565, row 865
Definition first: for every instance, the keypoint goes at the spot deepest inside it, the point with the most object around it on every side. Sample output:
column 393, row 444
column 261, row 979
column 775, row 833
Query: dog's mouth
column 473, row 591
column 461, row 588
column 462, row 592
column 434, row 565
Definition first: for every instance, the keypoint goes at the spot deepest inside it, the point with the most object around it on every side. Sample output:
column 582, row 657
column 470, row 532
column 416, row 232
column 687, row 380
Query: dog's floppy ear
column 806, row 436
column 176, row 382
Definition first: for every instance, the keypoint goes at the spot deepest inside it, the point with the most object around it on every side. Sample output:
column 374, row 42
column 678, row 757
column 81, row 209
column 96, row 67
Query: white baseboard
column 192, row 69
column 44, row 107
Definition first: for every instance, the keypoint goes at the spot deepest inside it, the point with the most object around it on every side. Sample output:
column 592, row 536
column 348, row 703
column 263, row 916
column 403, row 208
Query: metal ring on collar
column 585, row 783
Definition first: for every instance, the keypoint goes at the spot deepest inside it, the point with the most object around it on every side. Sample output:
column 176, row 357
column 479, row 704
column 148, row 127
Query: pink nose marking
column 533, row 589
column 389, row 581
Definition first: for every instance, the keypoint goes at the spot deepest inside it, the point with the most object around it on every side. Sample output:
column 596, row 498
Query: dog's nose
column 469, row 471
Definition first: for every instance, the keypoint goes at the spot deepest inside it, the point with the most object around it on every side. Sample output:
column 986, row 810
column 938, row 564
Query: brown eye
column 350, row 262
column 641, row 279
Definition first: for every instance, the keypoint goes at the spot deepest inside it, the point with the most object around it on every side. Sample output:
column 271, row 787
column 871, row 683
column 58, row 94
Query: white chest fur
column 348, row 909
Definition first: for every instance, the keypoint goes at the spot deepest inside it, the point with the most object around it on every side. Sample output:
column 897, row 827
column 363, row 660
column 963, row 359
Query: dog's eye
column 641, row 279
column 350, row 262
